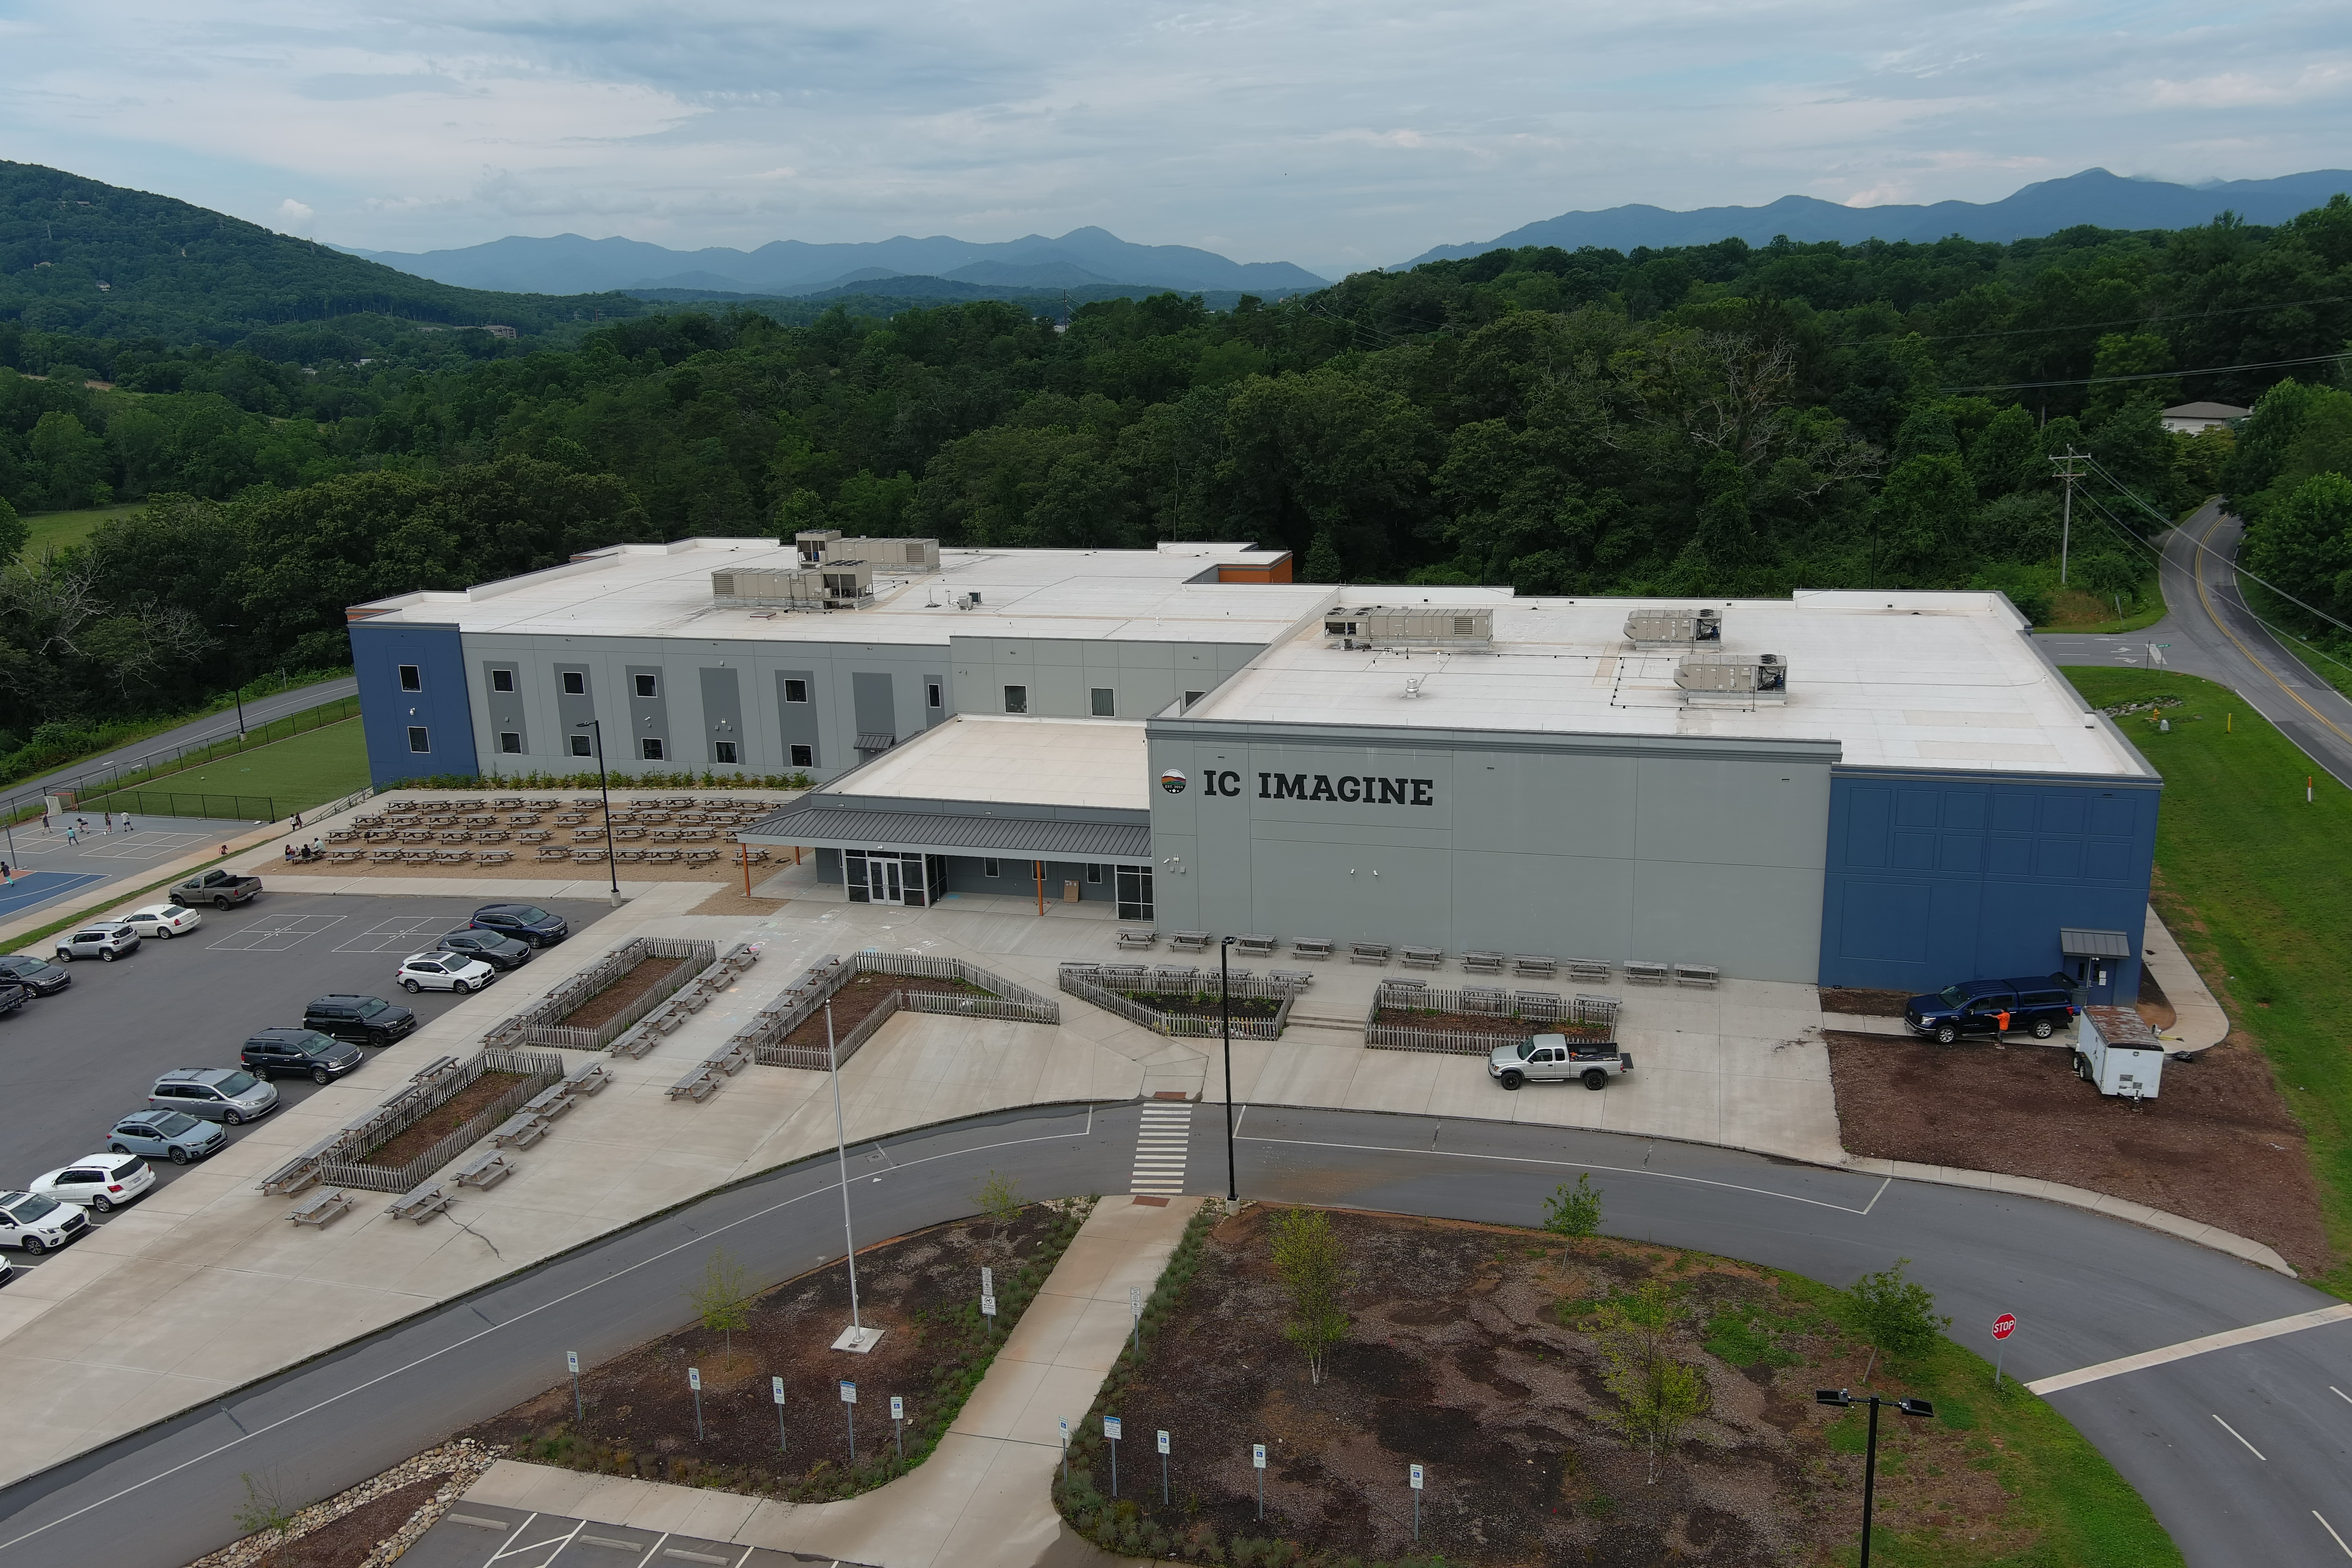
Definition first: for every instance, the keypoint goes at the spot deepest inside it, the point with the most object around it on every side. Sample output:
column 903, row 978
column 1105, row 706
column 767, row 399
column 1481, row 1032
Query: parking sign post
column 1065, row 1450
column 849, row 1410
column 897, row 1415
column 1257, row 1458
column 1416, row 1502
column 1110, row 1433
column 1163, row 1470
column 777, row 1385
column 694, row 1381
column 578, row 1410
column 2002, row 1327
column 1134, row 1311
column 987, row 1301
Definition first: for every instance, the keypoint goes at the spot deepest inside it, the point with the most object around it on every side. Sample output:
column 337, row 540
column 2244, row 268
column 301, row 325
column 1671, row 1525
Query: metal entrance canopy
column 2078, row 943
column 953, row 832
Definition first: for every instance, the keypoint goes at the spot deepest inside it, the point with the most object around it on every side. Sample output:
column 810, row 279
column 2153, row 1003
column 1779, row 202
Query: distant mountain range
column 568, row 264
column 2093, row 196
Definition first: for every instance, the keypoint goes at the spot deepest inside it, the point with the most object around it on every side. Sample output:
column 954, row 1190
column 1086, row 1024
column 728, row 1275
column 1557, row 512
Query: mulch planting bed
column 861, row 995
column 606, row 1003
column 1198, row 1004
column 1477, row 1351
column 345, row 1542
column 1864, row 1003
column 922, row 1291
column 1501, row 1027
column 444, row 1119
column 2216, row 1145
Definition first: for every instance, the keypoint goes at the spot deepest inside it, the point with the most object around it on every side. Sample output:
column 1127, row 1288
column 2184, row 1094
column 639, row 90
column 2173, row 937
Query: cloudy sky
column 1336, row 136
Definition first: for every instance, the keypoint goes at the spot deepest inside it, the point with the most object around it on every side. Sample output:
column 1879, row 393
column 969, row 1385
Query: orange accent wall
column 1273, row 572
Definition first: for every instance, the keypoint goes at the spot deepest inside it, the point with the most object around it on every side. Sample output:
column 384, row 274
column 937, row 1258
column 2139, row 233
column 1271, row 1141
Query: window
column 988, row 868
column 417, row 738
column 411, row 678
column 931, row 693
column 722, row 751
column 502, row 681
column 580, row 747
column 651, row 749
column 1192, row 697
column 643, row 683
column 1016, row 700
column 1094, row 874
column 511, row 742
column 575, row 683
column 803, row 756
column 795, row 690
column 1103, row 700
column 1135, row 893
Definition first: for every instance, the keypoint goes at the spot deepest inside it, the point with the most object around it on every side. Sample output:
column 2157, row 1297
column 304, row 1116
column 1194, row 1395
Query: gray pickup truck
column 216, row 887
column 1557, row 1059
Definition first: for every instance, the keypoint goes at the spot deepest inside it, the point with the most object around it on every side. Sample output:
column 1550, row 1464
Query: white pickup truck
column 1558, row 1059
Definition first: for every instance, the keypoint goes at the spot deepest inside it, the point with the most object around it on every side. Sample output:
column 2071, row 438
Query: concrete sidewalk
column 983, row 1498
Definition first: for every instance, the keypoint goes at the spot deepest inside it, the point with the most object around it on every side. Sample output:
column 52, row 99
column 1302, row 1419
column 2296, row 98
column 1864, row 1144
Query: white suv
column 37, row 1224
column 445, row 972
column 99, row 1182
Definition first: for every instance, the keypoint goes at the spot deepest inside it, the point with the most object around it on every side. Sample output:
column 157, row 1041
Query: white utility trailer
column 2116, row 1048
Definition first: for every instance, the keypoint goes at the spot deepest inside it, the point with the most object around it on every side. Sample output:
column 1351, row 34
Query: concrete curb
column 2198, row 1231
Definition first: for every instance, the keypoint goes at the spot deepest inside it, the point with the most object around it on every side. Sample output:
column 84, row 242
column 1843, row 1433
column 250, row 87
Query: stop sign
column 2004, row 1325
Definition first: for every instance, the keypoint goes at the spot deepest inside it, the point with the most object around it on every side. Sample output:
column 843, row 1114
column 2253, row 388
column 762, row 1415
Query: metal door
column 883, row 883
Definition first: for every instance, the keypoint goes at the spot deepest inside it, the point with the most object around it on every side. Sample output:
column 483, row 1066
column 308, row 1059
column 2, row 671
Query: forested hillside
column 1721, row 419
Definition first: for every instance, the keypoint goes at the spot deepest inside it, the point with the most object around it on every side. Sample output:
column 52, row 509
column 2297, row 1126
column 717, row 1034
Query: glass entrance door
column 884, row 879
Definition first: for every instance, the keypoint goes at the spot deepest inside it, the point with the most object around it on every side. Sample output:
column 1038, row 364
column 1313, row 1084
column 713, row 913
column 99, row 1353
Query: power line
column 2148, row 375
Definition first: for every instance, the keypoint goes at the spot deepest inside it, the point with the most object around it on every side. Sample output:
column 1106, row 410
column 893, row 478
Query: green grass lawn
column 56, row 530
column 308, row 770
column 2253, row 882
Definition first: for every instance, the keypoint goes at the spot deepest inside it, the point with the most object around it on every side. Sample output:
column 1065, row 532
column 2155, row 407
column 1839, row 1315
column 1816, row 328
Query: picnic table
column 519, row 1130
column 419, row 1204
column 321, row 1208
column 485, row 1170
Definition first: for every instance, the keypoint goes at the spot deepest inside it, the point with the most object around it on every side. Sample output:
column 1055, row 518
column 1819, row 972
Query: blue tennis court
column 36, row 888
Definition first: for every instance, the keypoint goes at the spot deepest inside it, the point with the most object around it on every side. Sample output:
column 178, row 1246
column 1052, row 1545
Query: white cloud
column 1328, row 134
column 297, row 216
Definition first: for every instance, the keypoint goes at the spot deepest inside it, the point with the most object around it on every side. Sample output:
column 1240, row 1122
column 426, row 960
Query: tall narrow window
column 645, row 685
column 1135, row 893
column 575, row 683
column 988, row 868
column 724, row 751
column 651, row 748
column 803, row 756
column 580, row 747
column 1104, row 699
column 795, row 690
column 1016, row 700
column 511, row 742
column 1094, row 873
column 931, row 692
column 418, row 740
column 502, row 681
column 411, row 678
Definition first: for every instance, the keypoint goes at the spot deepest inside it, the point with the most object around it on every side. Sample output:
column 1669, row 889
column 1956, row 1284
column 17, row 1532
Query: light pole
column 856, row 1337
column 605, row 788
column 237, row 691
column 1841, row 1398
column 1225, row 1017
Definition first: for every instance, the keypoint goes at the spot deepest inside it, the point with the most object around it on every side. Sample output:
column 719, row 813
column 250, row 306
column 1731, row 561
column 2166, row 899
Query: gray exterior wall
column 1062, row 674
column 1590, row 847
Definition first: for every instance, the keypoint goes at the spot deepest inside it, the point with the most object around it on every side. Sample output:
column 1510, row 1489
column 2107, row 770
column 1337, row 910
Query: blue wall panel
column 1933, row 878
column 387, row 712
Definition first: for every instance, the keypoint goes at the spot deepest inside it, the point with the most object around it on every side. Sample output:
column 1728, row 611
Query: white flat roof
column 664, row 590
column 1006, row 758
column 1946, row 681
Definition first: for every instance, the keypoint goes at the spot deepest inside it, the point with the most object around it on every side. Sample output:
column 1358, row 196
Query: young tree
column 722, row 1298
column 1658, row 1396
column 1000, row 1199
column 1573, row 1212
column 1312, row 1268
column 1894, row 1314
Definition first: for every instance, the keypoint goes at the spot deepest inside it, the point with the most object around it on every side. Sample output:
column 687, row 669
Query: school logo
column 1172, row 781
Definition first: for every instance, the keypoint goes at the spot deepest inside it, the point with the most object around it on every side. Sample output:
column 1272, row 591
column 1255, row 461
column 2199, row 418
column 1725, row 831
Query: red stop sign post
column 2002, row 1327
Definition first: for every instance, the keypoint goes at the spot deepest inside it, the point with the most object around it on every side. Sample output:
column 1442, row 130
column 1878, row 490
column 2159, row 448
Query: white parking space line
column 2339, row 1393
column 2059, row 1381
column 276, row 933
column 2331, row 1531
column 392, row 935
column 2241, row 1436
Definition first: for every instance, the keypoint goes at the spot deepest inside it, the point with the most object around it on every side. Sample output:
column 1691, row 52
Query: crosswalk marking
column 1162, row 1145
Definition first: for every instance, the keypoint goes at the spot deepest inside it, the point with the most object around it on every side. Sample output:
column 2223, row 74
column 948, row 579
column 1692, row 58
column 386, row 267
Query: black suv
column 497, row 951
column 524, row 923
column 38, row 975
column 2041, row 1005
column 304, row 1052
column 363, row 1020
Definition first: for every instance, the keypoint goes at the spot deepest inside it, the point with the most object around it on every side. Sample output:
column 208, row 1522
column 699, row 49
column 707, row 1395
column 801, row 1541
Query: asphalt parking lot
column 73, row 1064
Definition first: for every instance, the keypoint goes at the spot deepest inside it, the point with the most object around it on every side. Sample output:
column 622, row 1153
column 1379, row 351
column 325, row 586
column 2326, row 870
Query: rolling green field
column 56, row 530
column 308, row 770
column 2251, row 881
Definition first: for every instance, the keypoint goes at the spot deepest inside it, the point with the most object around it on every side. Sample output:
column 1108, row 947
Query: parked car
column 217, row 1094
column 164, row 922
column 12, row 996
column 525, row 922
column 1556, row 1058
column 107, row 939
column 502, row 952
column 35, row 1224
column 2039, row 1004
column 173, row 1135
column 363, row 1020
column 444, row 972
column 99, row 1181
column 38, row 975
column 218, row 887
column 321, row 1058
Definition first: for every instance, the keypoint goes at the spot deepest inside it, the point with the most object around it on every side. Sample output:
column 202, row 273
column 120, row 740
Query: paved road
column 217, row 727
column 2086, row 1289
column 2208, row 631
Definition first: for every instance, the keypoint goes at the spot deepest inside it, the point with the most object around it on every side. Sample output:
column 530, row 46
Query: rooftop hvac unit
column 889, row 554
column 1673, row 629
column 1416, row 626
column 848, row 585
column 817, row 544
column 1742, row 678
column 783, row 590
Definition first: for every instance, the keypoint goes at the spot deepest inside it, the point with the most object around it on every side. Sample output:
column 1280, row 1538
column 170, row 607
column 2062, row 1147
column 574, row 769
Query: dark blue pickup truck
column 2041, row 1005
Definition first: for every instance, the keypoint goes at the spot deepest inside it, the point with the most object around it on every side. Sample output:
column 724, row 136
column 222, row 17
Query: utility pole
column 2067, row 473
